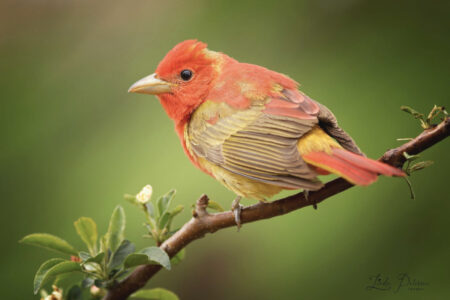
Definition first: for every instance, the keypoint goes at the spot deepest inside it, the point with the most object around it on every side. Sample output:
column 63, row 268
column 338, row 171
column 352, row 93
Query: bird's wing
column 328, row 122
column 259, row 142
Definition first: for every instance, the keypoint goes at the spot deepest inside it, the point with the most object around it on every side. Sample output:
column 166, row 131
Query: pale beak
column 150, row 85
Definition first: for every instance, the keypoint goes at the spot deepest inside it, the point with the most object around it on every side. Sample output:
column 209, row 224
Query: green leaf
column 167, row 217
column 84, row 255
column 164, row 220
column 50, row 242
column 410, row 157
column 178, row 209
column 92, row 268
column 97, row 259
column 87, row 230
column 163, row 202
column 52, row 268
column 64, row 267
column 43, row 269
column 104, row 243
column 100, row 283
column 215, row 206
column 148, row 256
column 118, row 257
column 420, row 165
column 87, row 282
column 150, row 209
column 157, row 255
column 416, row 115
column 435, row 112
column 119, row 274
column 411, row 111
column 67, row 280
column 155, row 294
column 75, row 293
column 178, row 257
column 135, row 259
column 116, row 228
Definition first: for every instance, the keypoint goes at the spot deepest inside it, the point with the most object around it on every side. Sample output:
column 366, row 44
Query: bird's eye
column 186, row 75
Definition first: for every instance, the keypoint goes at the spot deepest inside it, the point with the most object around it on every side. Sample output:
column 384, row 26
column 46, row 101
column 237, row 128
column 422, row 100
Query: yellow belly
column 240, row 185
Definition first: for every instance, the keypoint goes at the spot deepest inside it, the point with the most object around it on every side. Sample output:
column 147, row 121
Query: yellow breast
column 240, row 185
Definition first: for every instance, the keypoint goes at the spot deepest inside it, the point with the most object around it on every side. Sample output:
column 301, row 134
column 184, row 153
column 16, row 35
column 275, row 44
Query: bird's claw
column 236, row 207
column 306, row 193
column 237, row 215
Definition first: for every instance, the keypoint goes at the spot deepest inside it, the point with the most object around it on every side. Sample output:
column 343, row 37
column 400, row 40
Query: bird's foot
column 306, row 193
column 236, row 207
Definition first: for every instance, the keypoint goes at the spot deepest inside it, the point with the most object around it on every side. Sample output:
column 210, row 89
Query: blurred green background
column 73, row 140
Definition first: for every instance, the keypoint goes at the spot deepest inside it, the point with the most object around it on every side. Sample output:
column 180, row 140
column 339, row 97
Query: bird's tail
column 355, row 168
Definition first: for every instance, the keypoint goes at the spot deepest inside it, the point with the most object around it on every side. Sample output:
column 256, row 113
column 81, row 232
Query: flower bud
column 97, row 292
column 145, row 194
column 75, row 258
column 55, row 295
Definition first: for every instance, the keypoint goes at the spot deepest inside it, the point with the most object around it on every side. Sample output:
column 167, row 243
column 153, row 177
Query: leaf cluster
column 158, row 215
column 426, row 121
column 107, row 259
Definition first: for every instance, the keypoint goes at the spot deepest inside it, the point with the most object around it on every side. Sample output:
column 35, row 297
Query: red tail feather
column 355, row 168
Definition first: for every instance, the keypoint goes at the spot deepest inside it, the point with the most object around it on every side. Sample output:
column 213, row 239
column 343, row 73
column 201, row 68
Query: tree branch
column 202, row 222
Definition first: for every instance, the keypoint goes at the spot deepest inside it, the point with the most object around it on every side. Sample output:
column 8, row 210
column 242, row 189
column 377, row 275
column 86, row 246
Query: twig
column 202, row 222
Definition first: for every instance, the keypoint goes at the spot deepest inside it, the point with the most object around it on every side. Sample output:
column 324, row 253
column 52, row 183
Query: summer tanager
column 251, row 128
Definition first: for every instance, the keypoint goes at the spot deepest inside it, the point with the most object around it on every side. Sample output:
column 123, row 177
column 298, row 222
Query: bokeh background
column 73, row 140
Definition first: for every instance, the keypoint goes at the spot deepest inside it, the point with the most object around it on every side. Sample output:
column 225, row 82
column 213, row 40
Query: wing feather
column 259, row 142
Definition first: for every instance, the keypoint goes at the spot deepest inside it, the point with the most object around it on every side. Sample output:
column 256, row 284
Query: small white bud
column 55, row 295
column 95, row 291
column 145, row 194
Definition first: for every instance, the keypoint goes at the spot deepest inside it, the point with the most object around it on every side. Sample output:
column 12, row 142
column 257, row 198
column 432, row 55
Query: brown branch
column 203, row 222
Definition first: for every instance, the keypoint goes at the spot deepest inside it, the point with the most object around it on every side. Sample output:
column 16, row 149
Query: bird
column 251, row 128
